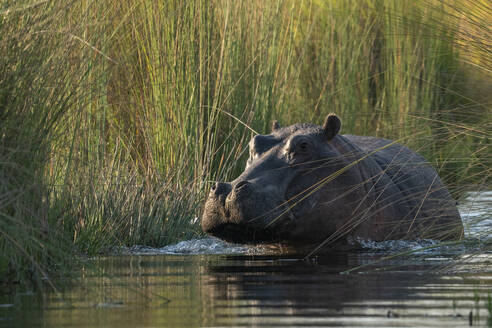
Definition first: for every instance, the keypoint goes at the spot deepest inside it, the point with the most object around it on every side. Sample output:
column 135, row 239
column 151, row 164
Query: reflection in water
column 213, row 287
column 218, row 290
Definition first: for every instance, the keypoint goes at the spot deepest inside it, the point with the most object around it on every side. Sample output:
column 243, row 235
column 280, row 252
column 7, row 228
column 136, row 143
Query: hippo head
column 278, row 190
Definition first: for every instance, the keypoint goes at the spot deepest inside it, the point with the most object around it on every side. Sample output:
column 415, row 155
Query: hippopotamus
column 306, row 184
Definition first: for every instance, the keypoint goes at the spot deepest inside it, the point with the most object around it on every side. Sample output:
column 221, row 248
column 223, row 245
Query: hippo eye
column 298, row 149
column 303, row 146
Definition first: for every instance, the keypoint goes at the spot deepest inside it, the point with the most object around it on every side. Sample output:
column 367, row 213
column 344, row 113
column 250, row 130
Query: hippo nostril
column 221, row 188
column 241, row 184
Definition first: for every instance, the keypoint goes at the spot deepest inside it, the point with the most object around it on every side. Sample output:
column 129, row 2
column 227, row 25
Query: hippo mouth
column 245, row 223
column 239, row 233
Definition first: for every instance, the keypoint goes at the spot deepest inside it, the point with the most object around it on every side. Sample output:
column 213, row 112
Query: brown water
column 185, row 285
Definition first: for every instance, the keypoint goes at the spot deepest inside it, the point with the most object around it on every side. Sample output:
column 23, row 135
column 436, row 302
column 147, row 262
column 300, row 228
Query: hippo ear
column 331, row 126
column 275, row 126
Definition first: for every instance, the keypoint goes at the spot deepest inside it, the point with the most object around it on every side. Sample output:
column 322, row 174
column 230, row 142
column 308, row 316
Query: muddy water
column 210, row 283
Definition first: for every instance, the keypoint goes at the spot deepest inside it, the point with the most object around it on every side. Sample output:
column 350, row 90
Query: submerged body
column 305, row 184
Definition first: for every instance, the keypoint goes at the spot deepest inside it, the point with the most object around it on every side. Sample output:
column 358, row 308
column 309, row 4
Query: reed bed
column 117, row 116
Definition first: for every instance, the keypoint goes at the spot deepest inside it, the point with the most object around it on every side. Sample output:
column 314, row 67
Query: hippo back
column 404, row 182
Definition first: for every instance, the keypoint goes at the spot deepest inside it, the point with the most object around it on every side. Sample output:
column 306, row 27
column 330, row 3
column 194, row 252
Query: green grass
column 117, row 116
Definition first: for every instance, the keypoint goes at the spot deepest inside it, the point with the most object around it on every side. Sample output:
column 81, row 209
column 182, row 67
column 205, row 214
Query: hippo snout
column 215, row 211
column 223, row 192
column 220, row 191
column 240, row 211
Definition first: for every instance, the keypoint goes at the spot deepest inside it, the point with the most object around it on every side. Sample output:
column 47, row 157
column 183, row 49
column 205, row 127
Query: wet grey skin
column 306, row 184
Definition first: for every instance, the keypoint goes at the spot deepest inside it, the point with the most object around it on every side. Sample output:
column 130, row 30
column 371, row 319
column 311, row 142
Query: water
column 476, row 212
column 207, row 282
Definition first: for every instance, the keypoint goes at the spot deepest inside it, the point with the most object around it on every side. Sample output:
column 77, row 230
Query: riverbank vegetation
column 117, row 116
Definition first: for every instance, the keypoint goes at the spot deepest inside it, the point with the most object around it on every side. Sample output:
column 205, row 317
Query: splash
column 208, row 246
column 394, row 245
